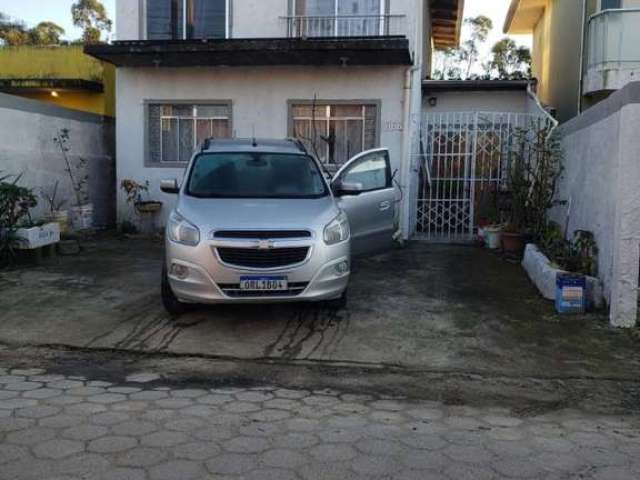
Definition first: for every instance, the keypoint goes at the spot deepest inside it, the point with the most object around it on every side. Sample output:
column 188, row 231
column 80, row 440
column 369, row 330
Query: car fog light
column 179, row 271
column 342, row 267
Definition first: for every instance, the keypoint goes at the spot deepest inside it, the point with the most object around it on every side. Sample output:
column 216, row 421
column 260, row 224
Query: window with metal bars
column 175, row 130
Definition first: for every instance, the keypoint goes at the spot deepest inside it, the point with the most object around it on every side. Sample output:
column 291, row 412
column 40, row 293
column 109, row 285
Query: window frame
column 147, row 138
column 227, row 26
column 291, row 104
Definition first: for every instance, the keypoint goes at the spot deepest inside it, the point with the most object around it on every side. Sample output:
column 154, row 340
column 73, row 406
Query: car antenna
column 254, row 141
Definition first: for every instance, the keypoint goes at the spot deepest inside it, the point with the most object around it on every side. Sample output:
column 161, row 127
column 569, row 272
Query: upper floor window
column 610, row 4
column 342, row 18
column 186, row 19
column 339, row 7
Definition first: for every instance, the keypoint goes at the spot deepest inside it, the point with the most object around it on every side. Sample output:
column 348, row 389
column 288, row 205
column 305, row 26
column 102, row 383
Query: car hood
column 258, row 214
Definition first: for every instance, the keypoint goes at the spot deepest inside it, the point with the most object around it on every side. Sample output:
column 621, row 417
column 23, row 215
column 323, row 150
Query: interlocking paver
column 57, row 448
column 112, row 444
column 86, row 428
column 177, row 469
column 85, row 432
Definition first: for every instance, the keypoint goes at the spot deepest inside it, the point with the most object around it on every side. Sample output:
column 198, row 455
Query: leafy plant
column 134, row 190
column 78, row 172
column 15, row 203
column 535, row 169
column 580, row 255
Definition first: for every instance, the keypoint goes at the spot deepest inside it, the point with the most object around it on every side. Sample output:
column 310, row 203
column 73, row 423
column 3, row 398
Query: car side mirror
column 170, row 186
column 341, row 188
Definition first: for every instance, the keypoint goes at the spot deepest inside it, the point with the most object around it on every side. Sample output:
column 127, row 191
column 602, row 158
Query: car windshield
column 255, row 175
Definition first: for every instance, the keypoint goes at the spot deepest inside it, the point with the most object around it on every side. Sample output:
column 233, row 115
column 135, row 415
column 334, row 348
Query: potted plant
column 533, row 175
column 56, row 213
column 15, row 232
column 82, row 212
column 142, row 206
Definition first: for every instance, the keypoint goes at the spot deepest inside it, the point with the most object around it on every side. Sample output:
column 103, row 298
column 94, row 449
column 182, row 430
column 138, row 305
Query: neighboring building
column 583, row 50
column 192, row 69
column 512, row 96
column 61, row 75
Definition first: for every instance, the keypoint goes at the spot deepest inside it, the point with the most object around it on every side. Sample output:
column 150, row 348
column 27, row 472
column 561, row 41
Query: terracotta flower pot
column 513, row 243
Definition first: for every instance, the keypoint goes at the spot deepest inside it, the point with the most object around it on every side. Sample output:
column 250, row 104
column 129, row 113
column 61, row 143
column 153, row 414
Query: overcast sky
column 58, row 11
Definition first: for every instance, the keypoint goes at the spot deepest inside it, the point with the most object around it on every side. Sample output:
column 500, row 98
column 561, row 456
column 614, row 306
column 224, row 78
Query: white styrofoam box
column 36, row 237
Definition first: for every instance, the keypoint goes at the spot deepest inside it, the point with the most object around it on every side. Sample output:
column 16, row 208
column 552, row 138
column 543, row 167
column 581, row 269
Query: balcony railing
column 345, row 26
column 614, row 39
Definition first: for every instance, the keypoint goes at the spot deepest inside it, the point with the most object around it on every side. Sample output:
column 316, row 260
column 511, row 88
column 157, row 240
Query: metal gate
column 463, row 164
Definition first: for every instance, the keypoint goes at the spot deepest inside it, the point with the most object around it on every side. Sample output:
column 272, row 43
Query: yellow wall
column 61, row 62
column 557, row 46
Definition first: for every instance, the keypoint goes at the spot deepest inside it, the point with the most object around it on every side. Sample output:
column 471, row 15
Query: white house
column 192, row 69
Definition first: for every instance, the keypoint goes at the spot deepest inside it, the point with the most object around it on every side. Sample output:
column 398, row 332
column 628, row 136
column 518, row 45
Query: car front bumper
column 206, row 279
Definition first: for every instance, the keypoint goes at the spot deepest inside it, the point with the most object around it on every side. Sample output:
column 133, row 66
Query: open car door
column 364, row 190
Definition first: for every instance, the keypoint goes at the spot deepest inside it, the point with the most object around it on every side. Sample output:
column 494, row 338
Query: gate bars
column 463, row 164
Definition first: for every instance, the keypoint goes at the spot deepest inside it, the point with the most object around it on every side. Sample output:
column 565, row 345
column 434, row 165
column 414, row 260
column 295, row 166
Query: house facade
column 342, row 75
column 583, row 50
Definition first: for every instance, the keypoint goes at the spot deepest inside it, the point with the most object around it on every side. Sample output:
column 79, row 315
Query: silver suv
column 259, row 221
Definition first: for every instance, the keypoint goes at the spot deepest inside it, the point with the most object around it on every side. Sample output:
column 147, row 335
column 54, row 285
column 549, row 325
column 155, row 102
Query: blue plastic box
column 571, row 293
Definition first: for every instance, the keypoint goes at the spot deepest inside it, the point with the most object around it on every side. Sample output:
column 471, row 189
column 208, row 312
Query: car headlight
column 337, row 230
column 180, row 230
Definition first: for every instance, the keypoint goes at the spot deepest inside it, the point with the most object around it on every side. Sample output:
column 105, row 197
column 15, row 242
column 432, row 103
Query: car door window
column 369, row 173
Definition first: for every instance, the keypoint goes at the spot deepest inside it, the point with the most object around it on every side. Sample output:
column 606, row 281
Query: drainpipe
column 406, row 165
column 582, row 52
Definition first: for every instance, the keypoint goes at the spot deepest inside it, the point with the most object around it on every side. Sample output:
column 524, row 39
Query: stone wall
column 600, row 186
column 27, row 130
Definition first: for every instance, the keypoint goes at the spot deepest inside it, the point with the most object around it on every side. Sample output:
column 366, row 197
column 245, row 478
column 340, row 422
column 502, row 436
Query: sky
column 58, row 11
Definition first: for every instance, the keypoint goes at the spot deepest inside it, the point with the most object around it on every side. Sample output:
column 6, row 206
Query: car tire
column 172, row 305
column 338, row 303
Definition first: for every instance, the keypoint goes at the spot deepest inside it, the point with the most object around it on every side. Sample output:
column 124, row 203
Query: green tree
column 509, row 61
column 481, row 27
column 12, row 32
column 91, row 16
column 458, row 63
column 46, row 33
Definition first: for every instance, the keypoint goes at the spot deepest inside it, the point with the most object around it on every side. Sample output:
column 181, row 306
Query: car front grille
column 257, row 258
column 233, row 290
column 262, row 234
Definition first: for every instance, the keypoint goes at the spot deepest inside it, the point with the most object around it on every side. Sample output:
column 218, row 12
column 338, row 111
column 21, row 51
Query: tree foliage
column 510, row 61
column 91, row 16
column 46, row 33
column 507, row 60
column 15, row 32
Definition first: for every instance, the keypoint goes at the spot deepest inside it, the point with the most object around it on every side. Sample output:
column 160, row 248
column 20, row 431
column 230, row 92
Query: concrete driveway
column 425, row 307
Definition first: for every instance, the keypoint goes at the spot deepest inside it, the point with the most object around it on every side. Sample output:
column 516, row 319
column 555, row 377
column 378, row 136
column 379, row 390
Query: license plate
column 269, row 284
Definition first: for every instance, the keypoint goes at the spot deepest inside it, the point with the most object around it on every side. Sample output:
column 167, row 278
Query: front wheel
column 172, row 305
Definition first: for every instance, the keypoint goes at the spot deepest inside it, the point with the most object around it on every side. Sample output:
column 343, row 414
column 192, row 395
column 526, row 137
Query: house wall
column 27, row 130
column 259, row 99
column 557, row 40
column 600, row 188
column 476, row 101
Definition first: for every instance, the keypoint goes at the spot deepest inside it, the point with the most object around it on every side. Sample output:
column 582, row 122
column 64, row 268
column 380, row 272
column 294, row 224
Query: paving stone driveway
column 58, row 427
